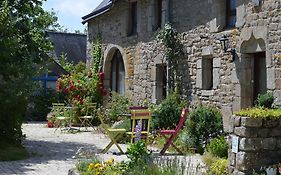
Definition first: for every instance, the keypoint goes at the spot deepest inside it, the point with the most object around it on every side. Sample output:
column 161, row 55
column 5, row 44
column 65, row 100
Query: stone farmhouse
column 229, row 77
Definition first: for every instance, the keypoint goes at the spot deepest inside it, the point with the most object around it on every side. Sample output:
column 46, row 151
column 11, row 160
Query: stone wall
column 259, row 144
column 201, row 24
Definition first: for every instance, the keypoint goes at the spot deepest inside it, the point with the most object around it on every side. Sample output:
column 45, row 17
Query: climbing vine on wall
column 170, row 38
column 96, row 54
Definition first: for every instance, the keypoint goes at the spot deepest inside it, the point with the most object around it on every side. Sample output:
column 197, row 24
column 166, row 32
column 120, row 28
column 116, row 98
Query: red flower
column 101, row 75
column 78, row 97
column 72, row 87
column 65, row 90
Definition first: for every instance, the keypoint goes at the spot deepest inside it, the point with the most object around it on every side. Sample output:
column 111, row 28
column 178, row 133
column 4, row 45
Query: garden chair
column 62, row 115
column 113, row 134
column 86, row 120
column 170, row 135
column 143, row 117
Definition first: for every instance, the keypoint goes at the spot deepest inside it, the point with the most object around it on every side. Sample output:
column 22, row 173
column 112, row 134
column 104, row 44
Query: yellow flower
column 98, row 173
column 91, row 166
column 110, row 160
column 97, row 165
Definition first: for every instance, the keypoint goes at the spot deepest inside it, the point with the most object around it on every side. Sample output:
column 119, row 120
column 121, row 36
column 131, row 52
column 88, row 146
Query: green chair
column 86, row 120
column 113, row 134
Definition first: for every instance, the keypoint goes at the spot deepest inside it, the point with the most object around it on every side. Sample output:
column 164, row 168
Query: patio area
column 56, row 152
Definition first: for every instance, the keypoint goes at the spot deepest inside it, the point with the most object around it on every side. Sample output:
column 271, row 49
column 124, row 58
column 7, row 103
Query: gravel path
column 52, row 152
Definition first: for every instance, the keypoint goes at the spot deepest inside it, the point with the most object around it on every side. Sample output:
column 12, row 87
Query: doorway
column 259, row 75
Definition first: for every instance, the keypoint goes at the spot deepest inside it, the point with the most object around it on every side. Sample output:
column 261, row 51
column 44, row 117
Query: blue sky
column 69, row 12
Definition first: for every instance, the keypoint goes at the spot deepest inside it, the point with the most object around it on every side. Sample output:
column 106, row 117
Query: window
column 117, row 80
column 157, row 14
column 230, row 13
column 161, row 82
column 132, row 22
column 207, row 73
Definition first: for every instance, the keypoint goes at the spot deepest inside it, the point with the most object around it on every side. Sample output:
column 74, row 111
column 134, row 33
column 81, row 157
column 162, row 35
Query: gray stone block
column 245, row 132
column 237, row 121
column 270, row 123
column 268, row 143
column 245, row 161
column 250, row 144
column 278, row 144
column 263, row 132
column 251, row 122
column 276, row 132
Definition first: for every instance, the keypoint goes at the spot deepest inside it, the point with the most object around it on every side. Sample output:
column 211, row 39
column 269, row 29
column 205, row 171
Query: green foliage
column 219, row 167
column 39, row 103
column 218, row 147
column 117, row 104
column 203, row 124
column 260, row 113
column 265, row 100
column 82, row 164
column 173, row 51
column 137, row 152
column 23, row 49
column 97, row 54
column 69, row 66
column 168, row 112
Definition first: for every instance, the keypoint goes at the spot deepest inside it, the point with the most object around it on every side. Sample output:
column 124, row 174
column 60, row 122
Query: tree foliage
column 23, row 50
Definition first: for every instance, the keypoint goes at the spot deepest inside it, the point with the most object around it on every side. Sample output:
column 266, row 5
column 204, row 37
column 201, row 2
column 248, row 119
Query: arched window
column 117, row 78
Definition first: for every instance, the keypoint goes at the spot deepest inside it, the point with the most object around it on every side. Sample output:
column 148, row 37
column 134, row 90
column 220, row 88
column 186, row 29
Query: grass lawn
column 12, row 152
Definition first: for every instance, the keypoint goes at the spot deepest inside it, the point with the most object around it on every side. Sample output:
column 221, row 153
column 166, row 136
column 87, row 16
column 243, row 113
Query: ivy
column 170, row 38
column 96, row 54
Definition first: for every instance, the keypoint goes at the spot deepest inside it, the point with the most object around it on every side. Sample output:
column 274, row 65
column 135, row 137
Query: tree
column 23, row 51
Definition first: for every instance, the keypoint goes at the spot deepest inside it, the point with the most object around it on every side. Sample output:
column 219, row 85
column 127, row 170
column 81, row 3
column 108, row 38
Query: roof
column 104, row 6
column 72, row 44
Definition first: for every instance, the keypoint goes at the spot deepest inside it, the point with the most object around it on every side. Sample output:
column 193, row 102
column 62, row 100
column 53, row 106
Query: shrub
column 260, row 113
column 116, row 105
column 39, row 104
column 137, row 152
column 203, row 124
column 219, row 167
column 265, row 100
column 169, row 111
column 218, row 147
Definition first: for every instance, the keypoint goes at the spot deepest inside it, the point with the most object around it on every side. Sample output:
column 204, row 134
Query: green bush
column 265, row 100
column 39, row 105
column 219, row 167
column 116, row 105
column 137, row 152
column 218, row 147
column 168, row 113
column 260, row 113
column 203, row 124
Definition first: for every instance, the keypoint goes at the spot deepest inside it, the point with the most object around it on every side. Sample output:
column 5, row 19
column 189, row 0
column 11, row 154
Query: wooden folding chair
column 170, row 135
column 86, row 120
column 142, row 116
column 113, row 134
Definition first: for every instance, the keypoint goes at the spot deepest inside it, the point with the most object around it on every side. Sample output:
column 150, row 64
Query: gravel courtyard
column 53, row 152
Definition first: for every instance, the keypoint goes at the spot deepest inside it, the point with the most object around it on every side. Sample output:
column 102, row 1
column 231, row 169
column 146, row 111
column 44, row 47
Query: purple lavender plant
column 138, row 131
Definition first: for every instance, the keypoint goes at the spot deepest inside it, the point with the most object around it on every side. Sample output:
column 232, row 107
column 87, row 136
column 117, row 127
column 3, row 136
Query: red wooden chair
column 170, row 135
